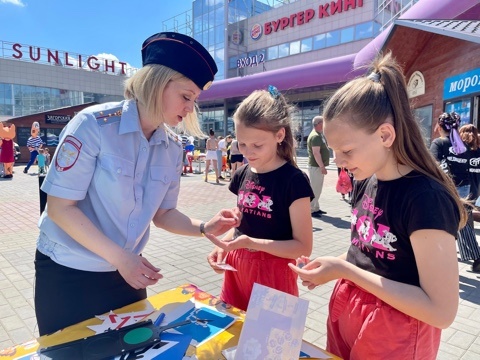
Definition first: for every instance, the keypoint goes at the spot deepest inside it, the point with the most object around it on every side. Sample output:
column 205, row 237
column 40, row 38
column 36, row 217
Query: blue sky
column 90, row 27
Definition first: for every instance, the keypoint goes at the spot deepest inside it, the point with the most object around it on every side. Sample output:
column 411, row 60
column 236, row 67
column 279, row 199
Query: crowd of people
column 409, row 203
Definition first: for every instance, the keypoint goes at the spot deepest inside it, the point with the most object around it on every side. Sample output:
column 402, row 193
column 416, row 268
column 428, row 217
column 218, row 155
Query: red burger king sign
column 256, row 31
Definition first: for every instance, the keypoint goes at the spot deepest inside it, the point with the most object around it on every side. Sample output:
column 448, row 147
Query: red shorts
column 255, row 267
column 361, row 326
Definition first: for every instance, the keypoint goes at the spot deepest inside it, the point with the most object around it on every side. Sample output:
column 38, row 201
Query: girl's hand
column 241, row 242
column 215, row 257
column 137, row 271
column 318, row 271
column 302, row 261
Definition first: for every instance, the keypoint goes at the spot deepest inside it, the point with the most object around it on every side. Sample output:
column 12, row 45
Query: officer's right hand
column 137, row 271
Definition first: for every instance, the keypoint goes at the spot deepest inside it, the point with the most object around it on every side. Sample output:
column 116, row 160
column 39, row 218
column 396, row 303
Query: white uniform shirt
column 119, row 179
column 221, row 145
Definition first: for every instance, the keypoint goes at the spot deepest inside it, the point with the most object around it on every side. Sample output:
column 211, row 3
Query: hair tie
column 273, row 91
column 375, row 77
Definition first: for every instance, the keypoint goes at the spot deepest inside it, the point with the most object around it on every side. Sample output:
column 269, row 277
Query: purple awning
column 336, row 70
column 322, row 72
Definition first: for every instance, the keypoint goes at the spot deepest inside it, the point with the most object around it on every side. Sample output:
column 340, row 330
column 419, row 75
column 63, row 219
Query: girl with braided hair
column 450, row 151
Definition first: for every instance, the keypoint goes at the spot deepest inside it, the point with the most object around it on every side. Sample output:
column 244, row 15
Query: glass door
column 461, row 107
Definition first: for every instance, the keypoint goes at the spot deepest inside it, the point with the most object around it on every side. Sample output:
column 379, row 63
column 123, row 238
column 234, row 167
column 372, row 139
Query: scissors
column 177, row 324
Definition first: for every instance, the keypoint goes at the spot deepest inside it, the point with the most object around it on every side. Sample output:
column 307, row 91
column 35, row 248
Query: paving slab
column 183, row 259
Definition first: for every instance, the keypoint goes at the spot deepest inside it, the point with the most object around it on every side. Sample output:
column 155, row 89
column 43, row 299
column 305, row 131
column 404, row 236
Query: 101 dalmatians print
column 380, row 240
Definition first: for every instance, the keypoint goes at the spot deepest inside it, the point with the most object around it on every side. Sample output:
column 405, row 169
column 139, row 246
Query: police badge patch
column 68, row 154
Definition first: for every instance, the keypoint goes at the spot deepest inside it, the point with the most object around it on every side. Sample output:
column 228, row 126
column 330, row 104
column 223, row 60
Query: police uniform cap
column 180, row 53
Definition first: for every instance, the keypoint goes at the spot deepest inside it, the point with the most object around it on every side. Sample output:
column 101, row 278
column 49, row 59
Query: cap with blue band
column 180, row 53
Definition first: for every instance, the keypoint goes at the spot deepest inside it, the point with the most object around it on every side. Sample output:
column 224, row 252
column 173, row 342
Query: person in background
column 47, row 158
column 184, row 144
column 211, row 156
column 189, row 148
column 221, row 148
column 349, row 194
column 318, row 160
column 236, row 157
column 7, row 149
column 34, row 143
column 450, row 151
column 469, row 135
column 273, row 196
column 226, row 155
column 41, row 162
column 453, row 156
column 398, row 283
column 468, row 245
column 116, row 171
column 229, row 159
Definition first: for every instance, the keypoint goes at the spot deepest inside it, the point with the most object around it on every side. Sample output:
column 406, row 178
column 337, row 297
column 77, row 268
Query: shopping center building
column 277, row 42
column 306, row 48
column 36, row 79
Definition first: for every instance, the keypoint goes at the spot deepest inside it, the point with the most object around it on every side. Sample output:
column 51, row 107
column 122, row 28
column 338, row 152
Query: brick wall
column 441, row 57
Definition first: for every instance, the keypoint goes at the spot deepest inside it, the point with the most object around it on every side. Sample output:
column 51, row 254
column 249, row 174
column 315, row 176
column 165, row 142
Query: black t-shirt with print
column 264, row 200
column 386, row 213
column 474, row 168
column 442, row 148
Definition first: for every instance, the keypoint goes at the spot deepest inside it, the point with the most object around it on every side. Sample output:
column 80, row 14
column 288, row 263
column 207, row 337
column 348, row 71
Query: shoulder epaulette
column 109, row 116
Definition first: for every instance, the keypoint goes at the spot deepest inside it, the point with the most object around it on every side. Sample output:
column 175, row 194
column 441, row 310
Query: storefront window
column 319, row 42
column 197, row 7
column 219, row 36
column 294, row 47
column 33, row 99
column 461, row 107
column 346, row 35
column 424, row 117
column 219, row 16
column 283, row 50
column 272, row 53
column 50, row 136
column 306, row 45
column 232, row 62
column 333, row 38
column 364, row 31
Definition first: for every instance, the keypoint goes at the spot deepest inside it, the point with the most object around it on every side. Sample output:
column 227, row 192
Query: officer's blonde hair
column 147, row 85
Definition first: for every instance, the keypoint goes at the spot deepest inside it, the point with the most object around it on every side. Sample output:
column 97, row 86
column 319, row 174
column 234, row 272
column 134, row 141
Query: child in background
column 41, row 162
column 211, row 157
column 273, row 196
column 398, row 283
column 47, row 158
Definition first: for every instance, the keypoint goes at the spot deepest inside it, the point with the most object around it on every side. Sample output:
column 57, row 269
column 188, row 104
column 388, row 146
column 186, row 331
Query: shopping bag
column 344, row 184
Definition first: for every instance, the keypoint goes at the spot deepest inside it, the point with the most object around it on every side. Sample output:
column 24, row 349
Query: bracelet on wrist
column 202, row 228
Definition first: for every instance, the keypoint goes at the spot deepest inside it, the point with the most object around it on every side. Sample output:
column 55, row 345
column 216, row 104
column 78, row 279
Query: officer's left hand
column 223, row 221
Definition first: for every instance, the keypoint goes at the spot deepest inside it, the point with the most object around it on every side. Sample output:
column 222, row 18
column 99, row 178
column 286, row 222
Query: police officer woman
column 116, row 170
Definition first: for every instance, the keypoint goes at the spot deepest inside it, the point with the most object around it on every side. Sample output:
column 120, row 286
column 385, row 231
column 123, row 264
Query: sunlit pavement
column 183, row 259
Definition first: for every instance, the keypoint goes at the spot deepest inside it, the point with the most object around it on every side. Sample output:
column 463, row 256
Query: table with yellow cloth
column 211, row 349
